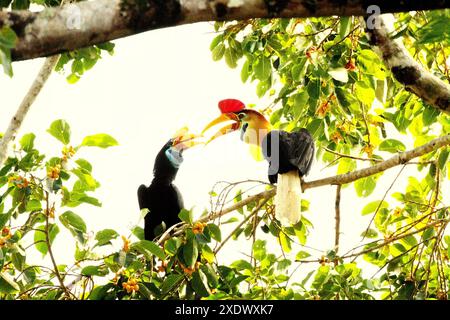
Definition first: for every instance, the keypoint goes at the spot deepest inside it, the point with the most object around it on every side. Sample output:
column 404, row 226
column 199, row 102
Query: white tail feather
column 288, row 198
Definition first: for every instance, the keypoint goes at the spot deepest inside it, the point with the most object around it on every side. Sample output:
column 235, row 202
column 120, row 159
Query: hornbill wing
column 299, row 147
column 142, row 199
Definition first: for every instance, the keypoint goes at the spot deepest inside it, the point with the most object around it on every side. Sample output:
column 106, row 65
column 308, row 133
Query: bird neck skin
column 255, row 129
column 164, row 171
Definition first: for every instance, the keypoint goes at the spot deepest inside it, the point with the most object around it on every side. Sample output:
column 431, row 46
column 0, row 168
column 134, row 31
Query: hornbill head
column 182, row 140
column 252, row 124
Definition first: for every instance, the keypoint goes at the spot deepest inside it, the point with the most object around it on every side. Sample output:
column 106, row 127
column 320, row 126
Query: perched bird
column 162, row 198
column 290, row 154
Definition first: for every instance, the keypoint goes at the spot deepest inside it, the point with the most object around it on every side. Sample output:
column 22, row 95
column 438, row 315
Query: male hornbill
column 162, row 198
column 290, row 154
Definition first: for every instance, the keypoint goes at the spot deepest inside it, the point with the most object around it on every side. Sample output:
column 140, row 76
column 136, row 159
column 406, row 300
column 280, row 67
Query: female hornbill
column 290, row 154
column 162, row 198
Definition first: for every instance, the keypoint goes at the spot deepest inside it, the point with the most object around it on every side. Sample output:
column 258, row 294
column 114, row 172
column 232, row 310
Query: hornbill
column 290, row 154
column 162, row 198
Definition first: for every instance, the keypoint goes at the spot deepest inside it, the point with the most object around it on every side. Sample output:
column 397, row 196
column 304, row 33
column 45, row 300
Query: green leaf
column 33, row 205
column 90, row 200
column 344, row 27
column 302, row 255
column 370, row 233
column 8, row 38
column 339, row 74
column 231, row 57
column 18, row 260
column 88, row 182
column 186, row 216
column 215, row 42
column 283, row 264
column 101, row 292
column 60, row 129
column 365, row 186
column 259, row 250
column 397, row 249
column 171, row 246
column 84, row 164
column 370, row 64
column 211, row 275
column 214, row 231
column 346, row 165
column 262, row 68
column 199, row 283
column 435, row 31
column 5, row 60
column 208, row 254
column 105, row 236
column 138, row 232
column 364, row 93
column 100, row 271
column 298, row 70
column 372, row 206
column 7, row 284
column 242, row 265
column 72, row 78
column 190, row 252
column 429, row 115
column 443, row 158
column 148, row 249
column 73, row 221
column 101, row 140
column 75, row 224
column 40, row 237
column 4, row 218
column 170, row 283
column 409, row 241
column 321, row 277
column 27, row 142
column 20, row 4
column 313, row 89
column 392, row 146
column 218, row 52
column 285, row 242
column 262, row 87
column 245, row 72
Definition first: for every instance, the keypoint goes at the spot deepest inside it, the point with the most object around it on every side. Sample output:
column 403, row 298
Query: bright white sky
column 156, row 83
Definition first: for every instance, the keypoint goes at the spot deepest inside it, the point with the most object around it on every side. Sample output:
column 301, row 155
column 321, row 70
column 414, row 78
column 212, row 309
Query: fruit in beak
column 183, row 140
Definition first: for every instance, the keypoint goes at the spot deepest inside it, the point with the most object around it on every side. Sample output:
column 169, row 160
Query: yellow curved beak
column 224, row 117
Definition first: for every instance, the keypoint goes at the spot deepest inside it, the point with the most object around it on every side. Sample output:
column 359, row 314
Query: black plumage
column 296, row 152
column 162, row 198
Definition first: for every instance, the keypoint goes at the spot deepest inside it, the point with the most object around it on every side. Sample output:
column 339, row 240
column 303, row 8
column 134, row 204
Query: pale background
column 156, row 83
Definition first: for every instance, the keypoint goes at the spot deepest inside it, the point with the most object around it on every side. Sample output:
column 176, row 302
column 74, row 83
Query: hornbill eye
column 241, row 115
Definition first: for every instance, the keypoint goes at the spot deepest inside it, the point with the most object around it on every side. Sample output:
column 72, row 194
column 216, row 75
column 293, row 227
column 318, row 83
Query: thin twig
column 255, row 211
column 30, row 97
column 49, row 248
column 381, row 202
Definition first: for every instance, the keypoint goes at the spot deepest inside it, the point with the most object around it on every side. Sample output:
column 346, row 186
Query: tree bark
column 81, row 24
column 406, row 70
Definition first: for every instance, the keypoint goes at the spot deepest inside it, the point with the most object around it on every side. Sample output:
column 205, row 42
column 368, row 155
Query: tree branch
column 30, row 97
column 337, row 207
column 85, row 23
column 406, row 70
column 398, row 159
